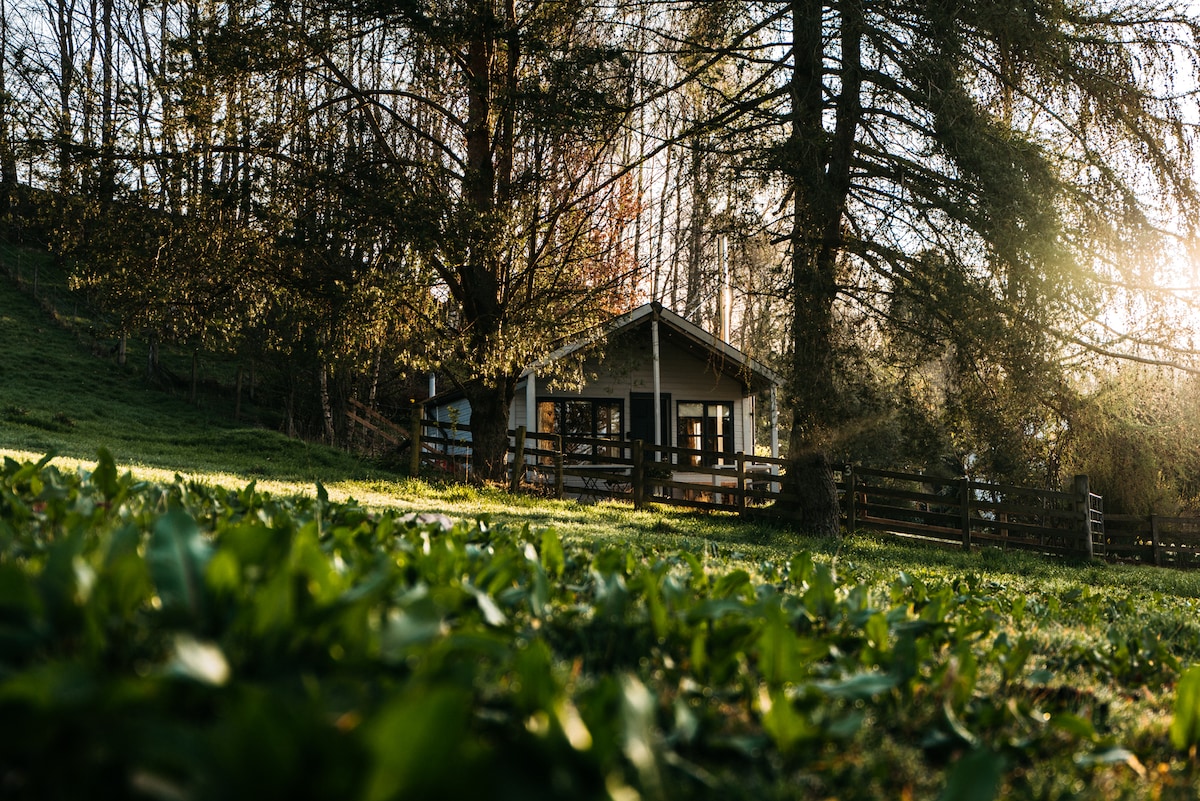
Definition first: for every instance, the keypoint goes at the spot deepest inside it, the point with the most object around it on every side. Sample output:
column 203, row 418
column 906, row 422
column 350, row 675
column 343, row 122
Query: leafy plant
column 182, row 640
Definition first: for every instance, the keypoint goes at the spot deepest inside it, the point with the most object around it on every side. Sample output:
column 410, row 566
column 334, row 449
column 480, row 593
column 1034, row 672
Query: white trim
column 531, row 402
column 774, row 423
column 657, row 385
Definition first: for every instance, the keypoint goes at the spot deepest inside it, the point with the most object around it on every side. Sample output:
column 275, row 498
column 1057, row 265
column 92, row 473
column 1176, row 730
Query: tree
column 481, row 152
column 1004, row 161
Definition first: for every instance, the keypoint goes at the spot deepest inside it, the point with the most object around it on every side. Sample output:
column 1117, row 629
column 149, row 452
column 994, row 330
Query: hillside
column 57, row 395
column 571, row 651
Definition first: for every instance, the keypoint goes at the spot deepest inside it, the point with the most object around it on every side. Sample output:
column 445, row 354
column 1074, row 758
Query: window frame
column 723, row 455
column 595, row 404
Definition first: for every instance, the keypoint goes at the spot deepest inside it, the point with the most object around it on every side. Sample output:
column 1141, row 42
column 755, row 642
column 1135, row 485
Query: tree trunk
column 152, row 356
column 290, row 411
column 8, row 157
column 491, row 393
column 820, row 173
column 490, row 403
column 327, row 406
column 108, row 170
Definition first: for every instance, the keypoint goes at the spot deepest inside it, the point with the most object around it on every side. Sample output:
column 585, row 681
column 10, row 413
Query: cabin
column 649, row 375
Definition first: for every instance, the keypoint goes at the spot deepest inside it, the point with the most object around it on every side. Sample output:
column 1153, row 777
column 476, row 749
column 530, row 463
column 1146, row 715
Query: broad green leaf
column 975, row 777
column 553, row 558
column 125, row 585
column 1074, row 725
column 655, row 604
column 699, row 577
column 200, row 661
column 800, row 568
column 905, row 659
column 123, row 542
column 699, row 651
column 1185, row 726
column 539, row 591
column 177, row 556
column 223, row 572
column 783, row 655
column 821, row 596
column 714, row 610
column 876, row 631
column 1013, row 659
column 58, row 581
column 418, row 742
column 274, row 604
column 487, row 605
column 860, row 687
column 788, row 727
column 731, row 584
column 104, row 476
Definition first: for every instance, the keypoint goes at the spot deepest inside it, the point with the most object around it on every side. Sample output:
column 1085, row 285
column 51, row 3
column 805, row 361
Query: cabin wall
column 682, row 376
column 452, row 414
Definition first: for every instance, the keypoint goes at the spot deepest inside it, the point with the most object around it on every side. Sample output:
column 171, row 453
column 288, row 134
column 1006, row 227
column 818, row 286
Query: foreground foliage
column 180, row 641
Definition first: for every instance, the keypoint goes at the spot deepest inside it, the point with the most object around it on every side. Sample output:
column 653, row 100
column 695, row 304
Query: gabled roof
column 725, row 357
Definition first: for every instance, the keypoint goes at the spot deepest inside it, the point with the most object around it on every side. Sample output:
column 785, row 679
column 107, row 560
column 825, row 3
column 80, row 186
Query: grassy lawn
column 55, row 395
column 908, row 671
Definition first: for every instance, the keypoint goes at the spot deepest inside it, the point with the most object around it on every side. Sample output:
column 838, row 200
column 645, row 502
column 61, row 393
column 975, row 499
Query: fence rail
column 965, row 512
column 957, row 512
column 1153, row 539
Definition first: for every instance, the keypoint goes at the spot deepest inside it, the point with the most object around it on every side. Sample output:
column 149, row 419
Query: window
column 590, row 418
column 706, row 427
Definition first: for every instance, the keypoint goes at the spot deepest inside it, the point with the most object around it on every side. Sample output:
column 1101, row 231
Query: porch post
column 774, row 432
column 774, row 422
column 531, row 403
column 657, row 387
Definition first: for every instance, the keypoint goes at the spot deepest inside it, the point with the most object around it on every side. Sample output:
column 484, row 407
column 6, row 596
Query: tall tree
column 483, row 150
column 996, row 159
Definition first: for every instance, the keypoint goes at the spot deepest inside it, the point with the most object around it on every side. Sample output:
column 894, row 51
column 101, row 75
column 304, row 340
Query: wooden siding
column 681, row 375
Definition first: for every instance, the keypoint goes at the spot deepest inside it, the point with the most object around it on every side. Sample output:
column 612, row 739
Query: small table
column 592, row 474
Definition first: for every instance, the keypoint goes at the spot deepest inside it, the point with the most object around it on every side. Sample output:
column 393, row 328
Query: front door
column 641, row 417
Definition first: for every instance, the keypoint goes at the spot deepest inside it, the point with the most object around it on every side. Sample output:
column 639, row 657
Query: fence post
column 639, row 474
column 518, row 467
column 964, row 496
column 1083, row 495
column 741, row 483
column 851, row 498
column 414, row 436
column 558, row 466
column 1155, row 540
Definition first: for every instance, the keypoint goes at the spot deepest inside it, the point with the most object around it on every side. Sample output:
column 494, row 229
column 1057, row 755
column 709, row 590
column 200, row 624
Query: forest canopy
column 963, row 230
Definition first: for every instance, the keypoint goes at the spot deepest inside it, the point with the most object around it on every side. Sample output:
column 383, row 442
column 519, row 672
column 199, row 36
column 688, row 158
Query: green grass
column 671, row 655
column 57, row 395
column 1085, row 714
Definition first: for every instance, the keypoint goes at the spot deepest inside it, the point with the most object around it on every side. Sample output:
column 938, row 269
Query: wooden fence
column 967, row 512
column 959, row 512
column 1155, row 540
column 595, row 468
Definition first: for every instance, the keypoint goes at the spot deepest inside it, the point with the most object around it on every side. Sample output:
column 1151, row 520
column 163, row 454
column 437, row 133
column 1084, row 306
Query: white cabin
column 656, row 377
